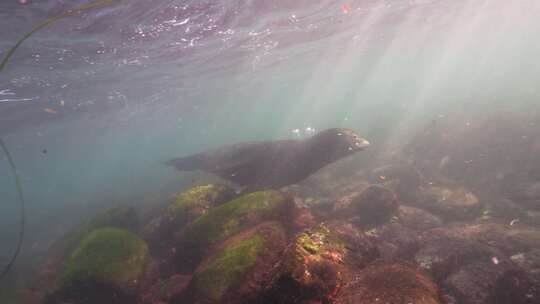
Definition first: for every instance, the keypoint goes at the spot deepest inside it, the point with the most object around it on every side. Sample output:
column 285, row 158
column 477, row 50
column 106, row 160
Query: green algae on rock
column 238, row 268
column 116, row 217
column 228, row 266
column 317, row 263
column 236, row 215
column 182, row 210
column 108, row 266
column 194, row 202
column 108, row 255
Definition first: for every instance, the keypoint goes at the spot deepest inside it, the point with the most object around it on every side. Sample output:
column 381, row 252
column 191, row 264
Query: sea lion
column 274, row 164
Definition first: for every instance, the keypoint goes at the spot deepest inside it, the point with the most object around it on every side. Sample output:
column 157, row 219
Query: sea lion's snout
column 359, row 142
column 362, row 143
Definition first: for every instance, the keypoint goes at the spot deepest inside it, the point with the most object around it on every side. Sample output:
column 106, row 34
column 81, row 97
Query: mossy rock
column 317, row 263
column 182, row 210
column 196, row 201
column 227, row 267
column 230, row 218
column 117, row 217
column 235, row 271
column 108, row 264
column 108, row 255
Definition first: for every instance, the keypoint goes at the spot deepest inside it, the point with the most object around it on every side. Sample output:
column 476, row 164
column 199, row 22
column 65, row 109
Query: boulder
column 417, row 219
column 375, row 206
column 451, row 204
column 395, row 241
column 303, row 218
column 191, row 204
column 166, row 289
column 477, row 283
column 393, row 283
column 318, row 263
column 116, row 217
column 510, row 239
column 515, row 287
column 107, row 265
column 526, row 194
column 238, row 269
column 404, row 179
column 228, row 219
column 442, row 257
column 529, row 262
column 183, row 209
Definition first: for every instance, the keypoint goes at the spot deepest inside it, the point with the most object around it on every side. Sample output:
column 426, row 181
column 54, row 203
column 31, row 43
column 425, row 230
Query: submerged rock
column 370, row 206
column 317, row 263
column 506, row 209
column 167, row 289
column 526, row 194
column 112, row 259
column 417, row 219
column 238, row 269
column 529, row 262
column 228, row 219
column 478, row 283
column 389, row 284
column 515, row 287
column 375, row 206
column 191, row 204
column 183, row 209
column 442, row 257
column 342, row 206
column 450, row 204
column 395, row 241
column 303, row 217
column 117, row 217
column 403, row 179
column 510, row 239
column 472, row 260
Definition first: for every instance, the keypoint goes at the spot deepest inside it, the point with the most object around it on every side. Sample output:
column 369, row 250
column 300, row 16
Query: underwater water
column 92, row 105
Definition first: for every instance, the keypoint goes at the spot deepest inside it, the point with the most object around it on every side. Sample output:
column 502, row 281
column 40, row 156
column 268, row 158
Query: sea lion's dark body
column 273, row 164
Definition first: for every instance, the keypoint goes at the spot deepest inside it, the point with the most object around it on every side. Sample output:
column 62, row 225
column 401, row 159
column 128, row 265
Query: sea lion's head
column 338, row 142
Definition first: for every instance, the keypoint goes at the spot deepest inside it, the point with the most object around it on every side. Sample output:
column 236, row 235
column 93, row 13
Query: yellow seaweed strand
column 49, row 21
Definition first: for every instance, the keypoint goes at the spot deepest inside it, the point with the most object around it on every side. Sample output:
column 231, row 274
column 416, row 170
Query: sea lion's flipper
column 188, row 163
